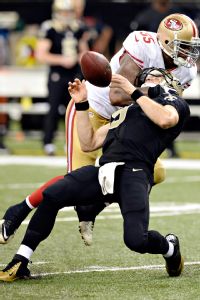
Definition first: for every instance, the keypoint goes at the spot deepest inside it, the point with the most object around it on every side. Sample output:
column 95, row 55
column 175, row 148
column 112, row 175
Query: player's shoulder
column 185, row 75
column 193, row 71
column 47, row 25
column 171, row 97
column 143, row 37
column 45, row 28
column 144, row 44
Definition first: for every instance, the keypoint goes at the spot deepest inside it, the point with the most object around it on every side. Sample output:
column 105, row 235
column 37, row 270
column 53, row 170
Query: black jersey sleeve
column 178, row 103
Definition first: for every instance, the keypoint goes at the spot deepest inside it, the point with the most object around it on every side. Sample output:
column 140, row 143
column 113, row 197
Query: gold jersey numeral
column 119, row 117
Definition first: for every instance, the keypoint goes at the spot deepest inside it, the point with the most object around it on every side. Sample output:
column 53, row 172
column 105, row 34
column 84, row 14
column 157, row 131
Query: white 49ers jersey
column 143, row 48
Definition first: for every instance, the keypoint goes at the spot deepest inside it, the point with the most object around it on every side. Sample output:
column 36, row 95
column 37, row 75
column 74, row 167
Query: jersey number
column 147, row 38
column 119, row 117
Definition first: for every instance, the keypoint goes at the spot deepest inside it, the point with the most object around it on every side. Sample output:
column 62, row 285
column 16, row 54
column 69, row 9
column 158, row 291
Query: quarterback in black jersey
column 134, row 139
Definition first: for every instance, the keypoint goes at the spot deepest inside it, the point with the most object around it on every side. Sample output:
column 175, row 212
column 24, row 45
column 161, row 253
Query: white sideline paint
column 168, row 209
column 19, row 186
column 61, row 162
column 113, row 269
column 34, row 161
column 155, row 208
column 91, row 269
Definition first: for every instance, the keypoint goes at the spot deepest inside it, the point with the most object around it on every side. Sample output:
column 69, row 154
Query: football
column 96, row 68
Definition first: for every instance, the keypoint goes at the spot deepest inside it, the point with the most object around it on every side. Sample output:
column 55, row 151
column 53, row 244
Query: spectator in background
column 150, row 18
column 101, row 37
column 3, row 61
column 61, row 42
column 8, row 22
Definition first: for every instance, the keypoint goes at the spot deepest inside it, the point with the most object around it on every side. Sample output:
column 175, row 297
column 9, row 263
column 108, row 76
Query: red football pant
column 36, row 197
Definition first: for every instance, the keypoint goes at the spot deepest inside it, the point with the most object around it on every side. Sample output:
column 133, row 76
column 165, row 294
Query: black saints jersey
column 63, row 41
column 134, row 138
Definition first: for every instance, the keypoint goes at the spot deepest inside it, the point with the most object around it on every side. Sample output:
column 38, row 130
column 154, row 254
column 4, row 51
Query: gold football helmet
column 64, row 14
column 178, row 37
column 63, row 5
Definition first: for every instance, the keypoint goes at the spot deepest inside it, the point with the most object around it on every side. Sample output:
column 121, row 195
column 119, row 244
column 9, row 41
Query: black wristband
column 81, row 106
column 136, row 95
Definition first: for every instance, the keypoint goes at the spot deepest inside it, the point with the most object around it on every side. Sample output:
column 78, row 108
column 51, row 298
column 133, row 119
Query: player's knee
column 159, row 175
column 136, row 243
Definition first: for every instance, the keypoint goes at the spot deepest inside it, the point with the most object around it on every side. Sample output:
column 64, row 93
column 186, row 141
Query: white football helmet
column 178, row 37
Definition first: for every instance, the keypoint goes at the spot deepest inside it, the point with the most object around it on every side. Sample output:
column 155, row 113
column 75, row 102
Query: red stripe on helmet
column 194, row 26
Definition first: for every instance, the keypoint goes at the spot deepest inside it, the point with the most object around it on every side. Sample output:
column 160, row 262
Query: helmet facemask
column 183, row 53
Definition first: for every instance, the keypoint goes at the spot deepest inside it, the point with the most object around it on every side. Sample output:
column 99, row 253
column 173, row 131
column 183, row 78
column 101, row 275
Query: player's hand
column 77, row 90
column 118, row 81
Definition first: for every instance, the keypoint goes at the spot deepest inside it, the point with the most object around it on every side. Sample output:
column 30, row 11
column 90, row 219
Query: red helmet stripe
column 194, row 27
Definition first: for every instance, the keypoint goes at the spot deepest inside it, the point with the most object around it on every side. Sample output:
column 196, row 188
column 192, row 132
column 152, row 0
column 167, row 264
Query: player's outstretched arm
column 163, row 116
column 89, row 139
column 129, row 70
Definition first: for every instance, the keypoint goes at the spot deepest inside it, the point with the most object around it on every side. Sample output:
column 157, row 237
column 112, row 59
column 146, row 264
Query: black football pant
column 58, row 95
column 82, row 187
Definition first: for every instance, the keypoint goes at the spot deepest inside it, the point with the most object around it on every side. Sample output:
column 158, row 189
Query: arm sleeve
column 178, row 103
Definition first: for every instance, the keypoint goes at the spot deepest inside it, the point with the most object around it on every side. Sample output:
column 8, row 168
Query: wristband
column 81, row 106
column 136, row 95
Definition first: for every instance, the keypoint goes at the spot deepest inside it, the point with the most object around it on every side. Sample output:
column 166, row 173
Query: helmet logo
column 173, row 24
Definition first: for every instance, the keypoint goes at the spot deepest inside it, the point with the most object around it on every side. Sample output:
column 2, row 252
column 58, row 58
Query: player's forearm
column 56, row 60
column 86, row 132
column 157, row 113
column 49, row 58
column 119, row 98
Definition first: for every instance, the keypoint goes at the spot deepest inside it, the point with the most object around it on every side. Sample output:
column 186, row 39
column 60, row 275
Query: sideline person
column 61, row 42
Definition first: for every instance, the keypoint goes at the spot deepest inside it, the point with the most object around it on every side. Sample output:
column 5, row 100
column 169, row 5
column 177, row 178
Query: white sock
column 4, row 233
column 25, row 251
column 28, row 203
column 170, row 251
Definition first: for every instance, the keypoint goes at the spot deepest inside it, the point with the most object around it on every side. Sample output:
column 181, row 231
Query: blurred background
column 23, row 78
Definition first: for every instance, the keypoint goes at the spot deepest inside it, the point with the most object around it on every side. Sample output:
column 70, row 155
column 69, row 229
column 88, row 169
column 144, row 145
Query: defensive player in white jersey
column 173, row 47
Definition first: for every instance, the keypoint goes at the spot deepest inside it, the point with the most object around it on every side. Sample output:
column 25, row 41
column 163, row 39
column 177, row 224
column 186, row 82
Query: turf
column 59, row 257
column 30, row 143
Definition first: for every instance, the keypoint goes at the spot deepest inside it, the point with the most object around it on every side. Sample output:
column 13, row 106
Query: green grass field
column 107, row 269
column 20, row 143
